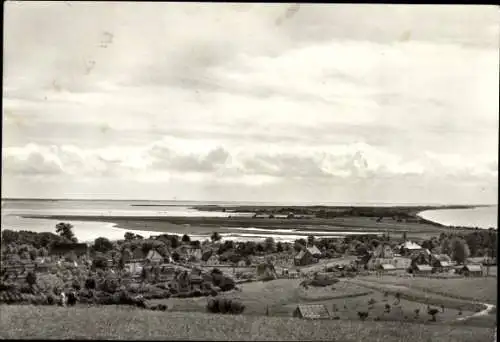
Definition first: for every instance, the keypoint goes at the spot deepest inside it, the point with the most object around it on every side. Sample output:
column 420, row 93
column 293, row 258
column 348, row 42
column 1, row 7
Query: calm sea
column 12, row 210
column 482, row 217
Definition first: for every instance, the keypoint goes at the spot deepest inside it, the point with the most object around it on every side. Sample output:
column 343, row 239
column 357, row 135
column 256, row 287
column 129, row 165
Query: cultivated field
column 483, row 289
column 124, row 323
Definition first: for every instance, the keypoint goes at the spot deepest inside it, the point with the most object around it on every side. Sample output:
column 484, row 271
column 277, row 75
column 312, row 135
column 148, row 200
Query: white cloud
column 235, row 96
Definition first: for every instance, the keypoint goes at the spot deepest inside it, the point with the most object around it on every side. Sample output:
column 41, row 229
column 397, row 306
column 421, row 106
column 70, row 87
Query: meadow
column 482, row 289
column 29, row 322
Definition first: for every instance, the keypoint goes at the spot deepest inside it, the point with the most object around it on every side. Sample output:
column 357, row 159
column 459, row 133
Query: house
column 315, row 252
column 194, row 253
column 154, row 257
column 440, row 262
column 387, row 268
column 304, row 257
column 213, row 260
column 421, row 269
column 181, row 281
column 383, row 251
column 472, row 271
column 311, row 311
column 408, row 248
column 63, row 249
column 133, row 267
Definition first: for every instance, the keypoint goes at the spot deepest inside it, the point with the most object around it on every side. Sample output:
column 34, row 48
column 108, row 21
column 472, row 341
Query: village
column 165, row 268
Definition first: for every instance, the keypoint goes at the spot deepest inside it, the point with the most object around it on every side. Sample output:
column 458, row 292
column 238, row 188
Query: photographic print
column 249, row 171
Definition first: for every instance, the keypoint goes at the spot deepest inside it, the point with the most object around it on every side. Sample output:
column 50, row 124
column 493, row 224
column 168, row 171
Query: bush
column 371, row 301
column 76, row 285
column 51, row 300
column 363, row 315
column 90, row 284
column 224, row 305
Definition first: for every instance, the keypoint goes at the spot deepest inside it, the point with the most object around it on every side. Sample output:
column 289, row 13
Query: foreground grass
column 27, row 322
column 482, row 289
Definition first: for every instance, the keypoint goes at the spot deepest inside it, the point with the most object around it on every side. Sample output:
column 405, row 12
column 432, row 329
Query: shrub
column 90, row 284
column 388, row 308
column 371, row 301
column 51, row 300
column 433, row 313
column 224, row 305
column 75, row 285
column 212, row 306
column 363, row 315
column 31, row 278
column 72, row 298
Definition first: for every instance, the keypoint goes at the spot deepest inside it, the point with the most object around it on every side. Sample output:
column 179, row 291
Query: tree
column 279, row 247
column 138, row 237
column 445, row 246
column 196, row 243
column 186, row 238
column 215, row 237
column 129, row 236
column 269, row 244
column 174, row 241
column 65, row 230
column 311, row 240
column 31, row 279
column 103, row 245
column 459, row 250
column 176, row 256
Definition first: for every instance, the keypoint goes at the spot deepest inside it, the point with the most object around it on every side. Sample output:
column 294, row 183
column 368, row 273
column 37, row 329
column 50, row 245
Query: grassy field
column 28, row 322
column 482, row 289
column 280, row 297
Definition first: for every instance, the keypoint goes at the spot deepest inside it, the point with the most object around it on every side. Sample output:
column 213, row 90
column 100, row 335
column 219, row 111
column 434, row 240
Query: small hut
column 472, row 270
column 422, row 269
column 311, row 311
column 387, row 268
column 304, row 257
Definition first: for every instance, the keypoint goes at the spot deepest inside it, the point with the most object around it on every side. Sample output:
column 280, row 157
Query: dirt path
column 485, row 312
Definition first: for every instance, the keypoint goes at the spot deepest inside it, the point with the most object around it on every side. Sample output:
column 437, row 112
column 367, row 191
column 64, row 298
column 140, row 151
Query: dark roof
column 68, row 247
column 313, row 311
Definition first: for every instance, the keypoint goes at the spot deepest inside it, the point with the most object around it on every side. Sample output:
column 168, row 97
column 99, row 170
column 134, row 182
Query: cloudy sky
column 309, row 103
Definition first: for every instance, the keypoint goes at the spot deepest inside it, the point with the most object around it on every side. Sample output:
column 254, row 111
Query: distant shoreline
column 206, row 225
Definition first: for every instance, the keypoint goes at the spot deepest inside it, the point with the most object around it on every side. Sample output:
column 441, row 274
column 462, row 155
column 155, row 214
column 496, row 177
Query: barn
column 311, row 311
column 472, row 271
column 422, row 269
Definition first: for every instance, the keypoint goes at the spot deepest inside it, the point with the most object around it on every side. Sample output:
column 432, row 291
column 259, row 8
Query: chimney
column 404, row 236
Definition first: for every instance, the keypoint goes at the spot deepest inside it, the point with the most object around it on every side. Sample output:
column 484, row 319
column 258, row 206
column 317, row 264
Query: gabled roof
column 473, row 268
column 313, row 311
column 411, row 245
column 424, row 268
column 313, row 250
column 388, row 267
column 154, row 255
column 444, row 263
column 300, row 255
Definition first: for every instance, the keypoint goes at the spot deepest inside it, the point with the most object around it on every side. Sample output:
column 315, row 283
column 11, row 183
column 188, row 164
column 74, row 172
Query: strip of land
column 415, row 229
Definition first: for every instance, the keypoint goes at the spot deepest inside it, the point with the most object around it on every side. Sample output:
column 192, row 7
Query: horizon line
column 236, row 201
